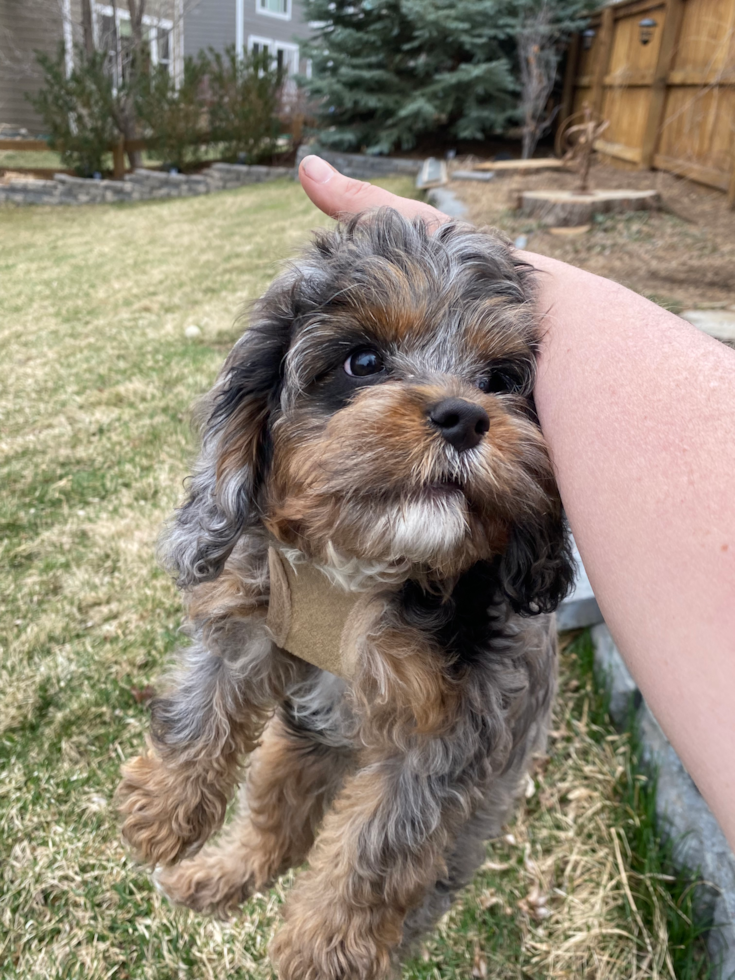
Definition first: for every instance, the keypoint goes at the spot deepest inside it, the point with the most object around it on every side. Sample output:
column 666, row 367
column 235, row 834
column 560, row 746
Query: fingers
column 340, row 196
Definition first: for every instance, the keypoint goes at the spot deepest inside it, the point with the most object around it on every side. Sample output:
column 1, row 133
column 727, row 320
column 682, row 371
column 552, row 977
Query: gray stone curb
column 446, row 201
column 699, row 846
column 360, row 165
column 579, row 609
column 141, row 185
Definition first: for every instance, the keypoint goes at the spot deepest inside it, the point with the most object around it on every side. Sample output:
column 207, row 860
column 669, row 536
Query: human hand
column 340, row 196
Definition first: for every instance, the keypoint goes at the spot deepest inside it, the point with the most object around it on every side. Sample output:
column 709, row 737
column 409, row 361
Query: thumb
column 340, row 196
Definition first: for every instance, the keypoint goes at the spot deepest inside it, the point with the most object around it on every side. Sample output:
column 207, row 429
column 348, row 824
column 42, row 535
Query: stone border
column 698, row 843
column 141, row 185
column 699, row 846
column 361, row 165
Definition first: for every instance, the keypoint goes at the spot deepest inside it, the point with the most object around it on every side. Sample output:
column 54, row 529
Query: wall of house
column 25, row 26
column 214, row 23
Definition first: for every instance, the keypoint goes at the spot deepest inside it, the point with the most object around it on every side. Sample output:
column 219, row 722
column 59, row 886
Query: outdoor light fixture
column 647, row 27
column 588, row 37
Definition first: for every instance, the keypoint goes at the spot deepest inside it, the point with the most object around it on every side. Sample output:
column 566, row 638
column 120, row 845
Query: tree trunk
column 139, row 65
column 87, row 29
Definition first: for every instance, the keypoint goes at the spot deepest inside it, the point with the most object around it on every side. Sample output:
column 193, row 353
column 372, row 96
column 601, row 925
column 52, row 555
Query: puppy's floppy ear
column 235, row 431
column 537, row 570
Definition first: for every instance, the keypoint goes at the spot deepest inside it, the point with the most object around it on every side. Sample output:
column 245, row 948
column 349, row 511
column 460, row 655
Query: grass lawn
column 11, row 159
column 96, row 386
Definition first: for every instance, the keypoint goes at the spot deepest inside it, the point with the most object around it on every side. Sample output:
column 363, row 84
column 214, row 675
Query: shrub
column 77, row 111
column 173, row 118
column 243, row 99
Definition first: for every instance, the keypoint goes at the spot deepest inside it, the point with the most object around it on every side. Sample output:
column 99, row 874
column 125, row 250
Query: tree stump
column 570, row 208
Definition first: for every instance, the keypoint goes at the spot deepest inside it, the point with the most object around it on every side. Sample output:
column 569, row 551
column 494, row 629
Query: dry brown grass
column 94, row 399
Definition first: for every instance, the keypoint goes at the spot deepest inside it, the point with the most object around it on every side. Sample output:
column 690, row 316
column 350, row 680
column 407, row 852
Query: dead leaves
column 534, row 904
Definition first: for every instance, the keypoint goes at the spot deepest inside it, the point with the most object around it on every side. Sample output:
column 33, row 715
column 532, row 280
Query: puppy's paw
column 333, row 944
column 168, row 812
column 211, row 886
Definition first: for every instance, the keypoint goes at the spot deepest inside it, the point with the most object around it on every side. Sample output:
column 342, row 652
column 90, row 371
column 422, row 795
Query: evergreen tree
column 386, row 71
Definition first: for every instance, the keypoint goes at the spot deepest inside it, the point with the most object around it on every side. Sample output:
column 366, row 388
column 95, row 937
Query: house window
column 274, row 8
column 114, row 35
column 283, row 54
column 161, row 47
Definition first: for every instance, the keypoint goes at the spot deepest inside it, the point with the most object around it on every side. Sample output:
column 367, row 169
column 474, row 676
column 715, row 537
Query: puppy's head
column 378, row 413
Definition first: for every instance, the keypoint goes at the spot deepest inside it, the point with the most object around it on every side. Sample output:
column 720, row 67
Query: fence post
column 657, row 104
column 607, row 30
column 570, row 76
column 118, row 160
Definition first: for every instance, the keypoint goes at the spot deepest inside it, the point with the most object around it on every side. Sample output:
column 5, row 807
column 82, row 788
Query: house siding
column 30, row 25
column 26, row 26
column 209, row 24
column 213, row 23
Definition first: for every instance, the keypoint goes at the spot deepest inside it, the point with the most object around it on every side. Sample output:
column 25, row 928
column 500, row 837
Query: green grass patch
column 30, row 159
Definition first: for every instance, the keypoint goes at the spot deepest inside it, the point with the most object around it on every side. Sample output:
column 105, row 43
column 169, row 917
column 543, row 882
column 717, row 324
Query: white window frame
column 107, row 10
column 68, row 38
column 291, row 51
column 272, row 13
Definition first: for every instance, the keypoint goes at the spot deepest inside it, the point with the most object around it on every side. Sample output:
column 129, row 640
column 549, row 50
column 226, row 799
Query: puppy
column 375, row 425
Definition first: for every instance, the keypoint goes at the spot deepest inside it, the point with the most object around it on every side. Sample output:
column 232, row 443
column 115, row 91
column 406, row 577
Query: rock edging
column 699, row 845
column 141, row 185
column 360, row 165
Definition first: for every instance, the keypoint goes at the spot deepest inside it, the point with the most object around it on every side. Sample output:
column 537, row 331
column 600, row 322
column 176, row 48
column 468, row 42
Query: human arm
column 638, row 409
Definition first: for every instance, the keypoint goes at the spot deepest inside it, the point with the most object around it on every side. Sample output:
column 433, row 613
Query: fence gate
column 663, row 73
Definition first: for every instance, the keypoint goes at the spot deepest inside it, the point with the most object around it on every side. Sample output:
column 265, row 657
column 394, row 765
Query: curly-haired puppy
column 376, row 421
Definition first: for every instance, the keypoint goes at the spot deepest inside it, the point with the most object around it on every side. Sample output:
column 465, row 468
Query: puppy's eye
column 502, row 380
column 364, row 362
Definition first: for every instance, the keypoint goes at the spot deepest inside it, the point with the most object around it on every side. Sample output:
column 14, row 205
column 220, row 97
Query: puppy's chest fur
column 458, row 640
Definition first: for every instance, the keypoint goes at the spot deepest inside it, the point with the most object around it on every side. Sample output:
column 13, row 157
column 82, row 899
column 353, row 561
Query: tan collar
column 314, row 619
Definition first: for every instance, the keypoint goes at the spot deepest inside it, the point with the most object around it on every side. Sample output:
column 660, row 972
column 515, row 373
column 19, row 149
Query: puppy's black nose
column 462, row 423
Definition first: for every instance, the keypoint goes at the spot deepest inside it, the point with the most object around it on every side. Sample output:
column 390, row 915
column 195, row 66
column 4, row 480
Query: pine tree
column 386, row 71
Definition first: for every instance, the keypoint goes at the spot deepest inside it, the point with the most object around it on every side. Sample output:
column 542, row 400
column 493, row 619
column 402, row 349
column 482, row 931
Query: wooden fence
column 670, row 102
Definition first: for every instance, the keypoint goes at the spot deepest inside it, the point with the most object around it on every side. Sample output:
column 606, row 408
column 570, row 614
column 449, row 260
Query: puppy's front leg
column 175, row 796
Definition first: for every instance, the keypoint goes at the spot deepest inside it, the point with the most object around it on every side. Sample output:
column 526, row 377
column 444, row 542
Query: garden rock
column 612, row 674
column 699, row 846
column 716, row 323
column 580, row 608
column 433, row 173
column 141, row 185
column 360, row 165
column 447, row 201
column 473, row 175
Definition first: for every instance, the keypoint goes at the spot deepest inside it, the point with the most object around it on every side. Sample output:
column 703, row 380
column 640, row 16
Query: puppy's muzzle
column 462, row 423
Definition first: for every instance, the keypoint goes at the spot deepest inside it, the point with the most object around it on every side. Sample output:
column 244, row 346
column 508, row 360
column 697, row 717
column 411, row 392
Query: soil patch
column 681, row 256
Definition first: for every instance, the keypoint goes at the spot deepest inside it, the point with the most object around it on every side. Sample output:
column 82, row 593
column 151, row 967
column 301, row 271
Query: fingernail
column 317, row 169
